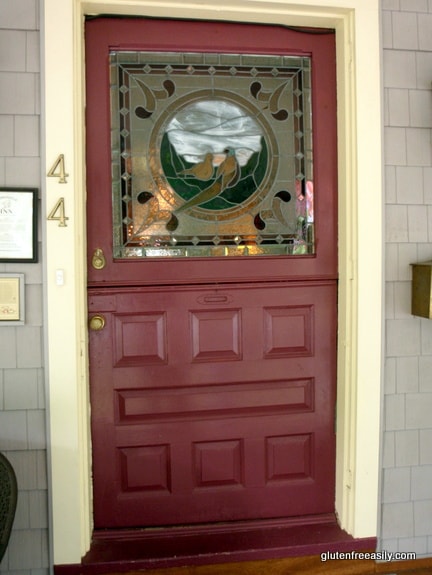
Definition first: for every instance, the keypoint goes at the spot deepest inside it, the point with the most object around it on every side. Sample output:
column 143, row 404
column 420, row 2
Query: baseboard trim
column 131, row 550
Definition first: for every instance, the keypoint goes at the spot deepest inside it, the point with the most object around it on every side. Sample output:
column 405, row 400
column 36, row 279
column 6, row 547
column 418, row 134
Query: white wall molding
column 360, row 246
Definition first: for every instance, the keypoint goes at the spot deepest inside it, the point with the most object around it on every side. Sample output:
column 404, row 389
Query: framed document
column 11, row 299
column 18, row 225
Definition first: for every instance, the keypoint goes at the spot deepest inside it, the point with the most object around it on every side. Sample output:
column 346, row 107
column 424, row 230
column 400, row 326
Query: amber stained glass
column 211, row 155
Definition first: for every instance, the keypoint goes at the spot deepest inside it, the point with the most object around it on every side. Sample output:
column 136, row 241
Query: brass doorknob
column 98, row 259
column 97, row 322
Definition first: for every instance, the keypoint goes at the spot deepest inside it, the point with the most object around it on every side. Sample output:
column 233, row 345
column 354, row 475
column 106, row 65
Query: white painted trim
column 360, row 214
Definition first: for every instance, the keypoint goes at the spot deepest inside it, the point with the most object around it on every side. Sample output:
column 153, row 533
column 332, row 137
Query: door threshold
column 115, row 551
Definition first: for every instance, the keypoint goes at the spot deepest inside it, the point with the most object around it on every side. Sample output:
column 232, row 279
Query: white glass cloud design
column 212, row 126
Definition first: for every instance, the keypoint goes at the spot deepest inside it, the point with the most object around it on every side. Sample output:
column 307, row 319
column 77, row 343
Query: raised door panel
column 206, row 400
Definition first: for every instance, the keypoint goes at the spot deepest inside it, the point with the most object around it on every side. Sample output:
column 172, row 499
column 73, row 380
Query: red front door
column 212, row 376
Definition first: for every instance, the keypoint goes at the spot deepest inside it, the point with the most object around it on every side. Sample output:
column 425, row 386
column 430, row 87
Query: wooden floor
column 289, row 550
column 193, row 555
column 301, row 566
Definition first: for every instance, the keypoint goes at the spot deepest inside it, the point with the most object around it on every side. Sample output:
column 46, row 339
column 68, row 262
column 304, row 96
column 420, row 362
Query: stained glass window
column 211, row 154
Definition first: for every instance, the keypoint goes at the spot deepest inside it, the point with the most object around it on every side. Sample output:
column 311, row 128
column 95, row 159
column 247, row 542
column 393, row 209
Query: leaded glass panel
column 211, row 154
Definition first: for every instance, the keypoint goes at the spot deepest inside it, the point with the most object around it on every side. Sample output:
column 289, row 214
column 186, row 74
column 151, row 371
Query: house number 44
column 58, row 170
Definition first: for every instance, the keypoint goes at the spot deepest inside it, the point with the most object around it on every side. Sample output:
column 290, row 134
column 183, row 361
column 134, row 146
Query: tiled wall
column 407, row 438
column 22, row 395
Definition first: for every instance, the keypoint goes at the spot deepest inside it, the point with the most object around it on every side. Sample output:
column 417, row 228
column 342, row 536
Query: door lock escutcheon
column 98, row 259
column 97, row 322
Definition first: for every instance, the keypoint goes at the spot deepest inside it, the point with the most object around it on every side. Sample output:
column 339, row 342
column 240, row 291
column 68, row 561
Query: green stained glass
column 211, row 155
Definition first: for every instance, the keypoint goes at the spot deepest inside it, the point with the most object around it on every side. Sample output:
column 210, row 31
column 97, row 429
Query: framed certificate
column 18, row 225
column 11, row 299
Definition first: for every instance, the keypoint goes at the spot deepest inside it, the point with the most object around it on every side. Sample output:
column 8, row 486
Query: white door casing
column 360, row 251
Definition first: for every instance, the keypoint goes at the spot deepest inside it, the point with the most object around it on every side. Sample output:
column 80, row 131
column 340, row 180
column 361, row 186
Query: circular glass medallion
column 217, row 153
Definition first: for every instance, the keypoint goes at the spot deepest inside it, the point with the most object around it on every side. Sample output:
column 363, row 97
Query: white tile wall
column 417, row 224
column 394, row 406
column 403, row 337
column 8, row 343
column 32, row 51
column 404, row 28
column 417, row 545
column 398, row 519
column 387, row 30
column 19, row 14
column 395, row 146
column 420, row 108
column 396, row 223
column 12, row 50
column 406, row 521
column 20, row 389
column 407, row 254
column 7, row 132
column 414, row 5
column 389, row 302
column 390, row 4
column 399, row 69
column 424, row 28
column 424, row 250
column 26, row 136
column 421, row 481
column 397, row 485
column 22, row 171
column 398, row 107
column 406, row 374
column 409, row 185
column 426, row 446
column 418, row 141
column 391, row 262
column 406, row 448
column 388, row 459
column 425, row 373
column 18, row 93
column 390, row 184
column 418, row 412
column 22, row 394
column 426, row 337
column 390, row 376
column 423, row 68
column 402, row 299
column 423, row 517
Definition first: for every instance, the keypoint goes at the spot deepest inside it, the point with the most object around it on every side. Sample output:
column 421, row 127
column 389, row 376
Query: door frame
column 360, row 253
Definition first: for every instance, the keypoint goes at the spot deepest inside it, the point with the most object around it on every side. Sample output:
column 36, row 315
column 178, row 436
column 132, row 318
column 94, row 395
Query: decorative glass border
column 156, row 211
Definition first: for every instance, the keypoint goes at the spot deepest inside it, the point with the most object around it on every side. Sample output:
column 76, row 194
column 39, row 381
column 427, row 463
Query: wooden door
column 212, row 372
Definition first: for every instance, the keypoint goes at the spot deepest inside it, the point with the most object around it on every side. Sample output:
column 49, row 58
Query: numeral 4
column 58, row 170
column 58, row 213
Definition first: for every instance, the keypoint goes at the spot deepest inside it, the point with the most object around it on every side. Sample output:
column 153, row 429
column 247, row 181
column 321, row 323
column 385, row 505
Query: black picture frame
column 18, row 225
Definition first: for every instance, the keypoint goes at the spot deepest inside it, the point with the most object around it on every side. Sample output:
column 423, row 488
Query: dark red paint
column 103, row 34
column 213, row 381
